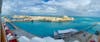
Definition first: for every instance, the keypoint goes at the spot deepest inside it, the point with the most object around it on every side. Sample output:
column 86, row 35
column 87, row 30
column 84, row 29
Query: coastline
column 43, row 18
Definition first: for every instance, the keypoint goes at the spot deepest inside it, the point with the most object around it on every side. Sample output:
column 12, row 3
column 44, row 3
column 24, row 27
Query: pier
column 17, row 30
column 21, row 32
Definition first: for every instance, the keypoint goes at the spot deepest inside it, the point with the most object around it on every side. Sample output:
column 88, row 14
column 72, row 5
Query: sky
column 89, row 8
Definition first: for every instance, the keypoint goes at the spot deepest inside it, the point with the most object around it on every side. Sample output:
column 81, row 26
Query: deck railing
column 3, row 34
column 2, row 31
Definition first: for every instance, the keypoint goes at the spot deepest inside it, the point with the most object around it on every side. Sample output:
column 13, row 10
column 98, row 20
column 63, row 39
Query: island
column 41, row 18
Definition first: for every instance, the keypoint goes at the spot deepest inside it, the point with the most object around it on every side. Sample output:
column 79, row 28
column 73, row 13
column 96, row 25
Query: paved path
column 21, row 32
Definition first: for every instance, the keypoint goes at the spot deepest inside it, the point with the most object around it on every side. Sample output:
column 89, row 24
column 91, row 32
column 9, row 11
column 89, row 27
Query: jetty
column 17, row 30
column 21, row 32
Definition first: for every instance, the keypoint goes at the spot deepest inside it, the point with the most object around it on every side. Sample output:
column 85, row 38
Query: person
column 31, row 20
column 97, row 33
column 92, row 40
column 13, row 40
column 15, row 35
column 84, row 34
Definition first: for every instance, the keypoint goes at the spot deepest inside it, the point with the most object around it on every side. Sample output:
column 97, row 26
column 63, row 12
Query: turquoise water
column 10, row 26
column 44, row 29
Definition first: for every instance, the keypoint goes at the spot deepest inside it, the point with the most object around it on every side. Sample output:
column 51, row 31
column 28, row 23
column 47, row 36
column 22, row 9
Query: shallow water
column 44, row 29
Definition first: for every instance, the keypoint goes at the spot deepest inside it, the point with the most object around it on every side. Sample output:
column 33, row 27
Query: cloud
column 58, row 7
column 6, row 8
column 70, row 4
column 39, row 9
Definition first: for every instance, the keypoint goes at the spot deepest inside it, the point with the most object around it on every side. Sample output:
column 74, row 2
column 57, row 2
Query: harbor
column 70, row 36
column 81, row 35
column 19, row 32
column 49, row 21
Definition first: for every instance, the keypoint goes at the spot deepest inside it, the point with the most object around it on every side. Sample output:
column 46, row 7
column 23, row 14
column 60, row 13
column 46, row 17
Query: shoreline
column 43, row 18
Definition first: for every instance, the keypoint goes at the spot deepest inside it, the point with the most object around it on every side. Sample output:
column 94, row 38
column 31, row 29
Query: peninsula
column 42, row 18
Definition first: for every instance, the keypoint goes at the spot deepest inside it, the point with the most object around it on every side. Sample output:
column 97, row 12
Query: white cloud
column 52, row 6
column 6, row 8
column 82, row 2
column 39, row 9
column 70, row 3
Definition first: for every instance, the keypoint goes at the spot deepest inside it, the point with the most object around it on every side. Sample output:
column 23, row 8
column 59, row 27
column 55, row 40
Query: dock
column 21, row 32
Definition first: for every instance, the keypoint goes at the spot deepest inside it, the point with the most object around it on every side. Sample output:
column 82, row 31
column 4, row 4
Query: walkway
column 21, row 32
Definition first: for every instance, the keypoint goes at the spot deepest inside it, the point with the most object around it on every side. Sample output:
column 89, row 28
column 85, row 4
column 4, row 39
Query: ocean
column 44, row 29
